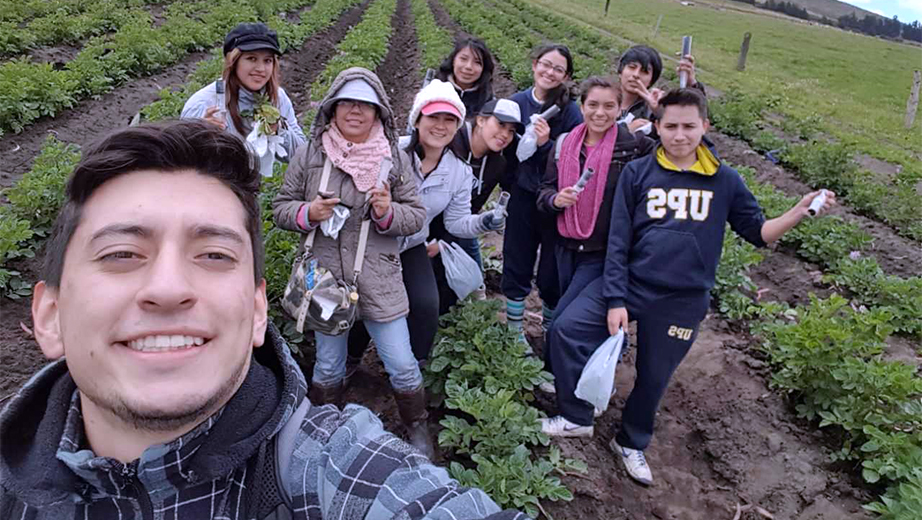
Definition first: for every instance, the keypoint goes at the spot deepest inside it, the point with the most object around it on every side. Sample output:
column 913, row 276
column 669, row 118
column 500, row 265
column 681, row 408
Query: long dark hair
column 560, row 95
column 485, row 83
column 233, row 87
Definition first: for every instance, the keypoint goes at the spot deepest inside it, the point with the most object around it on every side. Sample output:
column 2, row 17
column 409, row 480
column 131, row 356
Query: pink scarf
column 578, row 220
column 362, row 161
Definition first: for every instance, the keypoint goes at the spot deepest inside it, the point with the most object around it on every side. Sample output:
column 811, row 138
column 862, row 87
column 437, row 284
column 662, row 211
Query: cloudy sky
column 906, row 10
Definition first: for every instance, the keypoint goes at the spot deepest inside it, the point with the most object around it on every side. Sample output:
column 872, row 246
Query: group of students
column 641, row 239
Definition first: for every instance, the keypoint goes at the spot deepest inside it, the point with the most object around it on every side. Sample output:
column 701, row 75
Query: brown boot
column 327, row 394
column 412, row 408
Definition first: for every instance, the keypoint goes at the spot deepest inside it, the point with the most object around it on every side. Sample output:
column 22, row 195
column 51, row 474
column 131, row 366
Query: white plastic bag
column 331, row 226
column 266, row 148
column 598, row 377
column 461, row 271
column 528, row 144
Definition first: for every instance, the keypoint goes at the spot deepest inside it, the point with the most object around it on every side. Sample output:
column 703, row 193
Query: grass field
column 855, row 86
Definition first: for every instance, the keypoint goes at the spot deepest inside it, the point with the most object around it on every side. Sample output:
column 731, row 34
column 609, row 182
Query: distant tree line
column 876, row 26
column 872, row 25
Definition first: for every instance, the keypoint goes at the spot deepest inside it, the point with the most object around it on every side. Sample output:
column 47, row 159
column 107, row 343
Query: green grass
column 856, row 85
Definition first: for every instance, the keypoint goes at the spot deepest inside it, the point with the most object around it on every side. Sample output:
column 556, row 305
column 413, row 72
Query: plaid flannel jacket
column 344, row 466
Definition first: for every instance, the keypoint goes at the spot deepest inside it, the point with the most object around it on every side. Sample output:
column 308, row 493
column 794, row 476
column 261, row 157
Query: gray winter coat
column 382, row 295
column 445, row 191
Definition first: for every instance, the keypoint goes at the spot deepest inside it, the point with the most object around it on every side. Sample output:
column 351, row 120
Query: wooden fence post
column 913, row 104
column 656, row 29
column 607, row 2
column 744, row 50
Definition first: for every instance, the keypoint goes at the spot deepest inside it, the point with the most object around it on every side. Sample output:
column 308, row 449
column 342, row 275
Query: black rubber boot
column 327, row 394
column 352, row 366
column 413, row 413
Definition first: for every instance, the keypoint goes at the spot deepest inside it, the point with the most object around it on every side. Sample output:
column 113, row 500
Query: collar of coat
column 44, row 458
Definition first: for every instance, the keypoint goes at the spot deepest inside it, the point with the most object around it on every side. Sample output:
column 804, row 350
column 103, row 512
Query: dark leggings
column 423, row 320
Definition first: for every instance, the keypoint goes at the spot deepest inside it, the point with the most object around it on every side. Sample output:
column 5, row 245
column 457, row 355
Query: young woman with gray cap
column 251, row 69
column 484, row 142
column 353, row 148
column 444, row 180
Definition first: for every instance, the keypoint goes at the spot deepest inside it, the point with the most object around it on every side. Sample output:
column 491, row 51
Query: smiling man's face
column 157, row 311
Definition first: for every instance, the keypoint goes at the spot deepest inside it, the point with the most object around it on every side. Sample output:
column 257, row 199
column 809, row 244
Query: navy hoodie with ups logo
column 667, row 231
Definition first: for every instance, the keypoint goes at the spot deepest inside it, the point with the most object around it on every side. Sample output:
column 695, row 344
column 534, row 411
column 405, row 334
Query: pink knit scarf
column 362, row 161
column 578, row 220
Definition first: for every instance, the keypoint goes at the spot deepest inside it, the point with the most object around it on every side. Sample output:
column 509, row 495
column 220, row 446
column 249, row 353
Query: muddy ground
column 723, row 437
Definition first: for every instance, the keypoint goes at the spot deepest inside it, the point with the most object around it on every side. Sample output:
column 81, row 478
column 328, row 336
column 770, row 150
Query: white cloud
column 878, row 11
column 859, row 2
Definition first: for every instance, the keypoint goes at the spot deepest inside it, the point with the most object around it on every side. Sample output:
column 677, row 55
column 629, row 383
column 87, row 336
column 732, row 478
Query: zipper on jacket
column 130, row 472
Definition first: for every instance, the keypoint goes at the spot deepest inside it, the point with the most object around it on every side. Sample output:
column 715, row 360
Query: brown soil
column 401, row 65
column 20, row 356
column 301, row 68
column 88, row 120
column 57, row 55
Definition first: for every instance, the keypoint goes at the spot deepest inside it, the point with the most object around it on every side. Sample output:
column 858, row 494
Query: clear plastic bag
column 461, row 271
column 598, row 378
column 528, row 144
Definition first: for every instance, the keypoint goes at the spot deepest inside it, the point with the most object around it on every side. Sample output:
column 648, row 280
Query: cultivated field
column 801, row 397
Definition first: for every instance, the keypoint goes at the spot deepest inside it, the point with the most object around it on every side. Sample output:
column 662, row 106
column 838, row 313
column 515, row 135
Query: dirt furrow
column 89, row 119
column 400, row 69
column 301, row 68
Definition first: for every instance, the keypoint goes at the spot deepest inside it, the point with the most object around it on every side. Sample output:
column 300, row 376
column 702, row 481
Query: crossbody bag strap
column 324, row 180
column 363, row 234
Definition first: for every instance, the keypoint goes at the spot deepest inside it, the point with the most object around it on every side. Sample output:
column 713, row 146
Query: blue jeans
column 471, row 246
column 392, row 340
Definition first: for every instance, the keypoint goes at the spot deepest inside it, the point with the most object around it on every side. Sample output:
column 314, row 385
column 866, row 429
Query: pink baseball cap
column 437, row 107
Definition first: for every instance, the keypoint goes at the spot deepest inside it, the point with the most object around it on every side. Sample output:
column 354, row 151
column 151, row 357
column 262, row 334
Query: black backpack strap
column 285, row 446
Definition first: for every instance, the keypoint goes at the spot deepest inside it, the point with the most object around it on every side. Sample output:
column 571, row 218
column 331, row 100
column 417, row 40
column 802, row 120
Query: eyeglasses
column 560, row 71
column 350, row 104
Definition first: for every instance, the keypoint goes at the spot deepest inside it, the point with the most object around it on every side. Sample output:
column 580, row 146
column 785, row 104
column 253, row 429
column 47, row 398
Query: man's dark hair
column 484, row 84
column 169, row 147
column 647, row 57
column 598, row 82
column 684, row 97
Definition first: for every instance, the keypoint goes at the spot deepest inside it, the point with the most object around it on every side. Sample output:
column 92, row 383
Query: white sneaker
column 480, row 293
column 559, row 426
column 634, row 462
column 548, row 387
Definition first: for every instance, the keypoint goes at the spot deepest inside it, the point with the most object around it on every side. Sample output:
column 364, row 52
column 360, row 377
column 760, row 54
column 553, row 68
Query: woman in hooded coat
column 354, row 136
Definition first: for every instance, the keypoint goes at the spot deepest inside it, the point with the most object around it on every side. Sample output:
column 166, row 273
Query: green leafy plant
column 15, row 237
column 434, row 41
column 39, row 194
column 490, row 413
column 474, row 349
column 518, row 481
column 479, row 365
